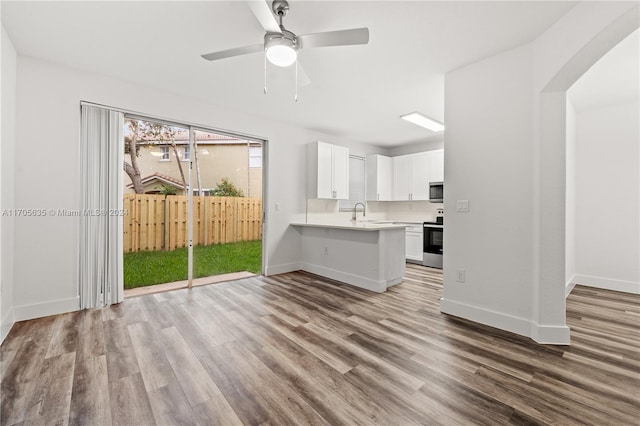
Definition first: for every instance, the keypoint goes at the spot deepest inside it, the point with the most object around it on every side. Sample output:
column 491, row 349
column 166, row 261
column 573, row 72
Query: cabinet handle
column 378, row 197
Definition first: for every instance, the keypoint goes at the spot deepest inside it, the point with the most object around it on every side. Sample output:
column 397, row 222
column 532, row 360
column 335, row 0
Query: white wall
column 505, row 142
column 488, row 162
column 570, row 209
column 7, row 149
column 607, row 212
column 47, row 129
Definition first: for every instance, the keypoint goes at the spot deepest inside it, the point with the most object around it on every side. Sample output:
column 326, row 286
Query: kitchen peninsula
column 364, row 254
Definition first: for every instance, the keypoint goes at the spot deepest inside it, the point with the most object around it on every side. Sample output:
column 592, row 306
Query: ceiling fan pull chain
column 265, row 72
column 296, row 97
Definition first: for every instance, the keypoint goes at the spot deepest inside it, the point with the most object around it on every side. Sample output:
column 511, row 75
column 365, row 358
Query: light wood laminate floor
column 297, row 349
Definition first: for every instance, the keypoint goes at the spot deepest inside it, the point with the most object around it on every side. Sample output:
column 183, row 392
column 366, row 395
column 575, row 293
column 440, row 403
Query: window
column 356, row 184
column 255, row 156
column 205, row 192
column 165, row 153
column 186, row 156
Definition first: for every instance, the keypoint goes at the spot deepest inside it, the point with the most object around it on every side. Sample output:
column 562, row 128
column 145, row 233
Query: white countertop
column 354, row 226
column 395, row 221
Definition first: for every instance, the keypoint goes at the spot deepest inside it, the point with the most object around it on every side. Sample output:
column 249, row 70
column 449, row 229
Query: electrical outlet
column 277, row 206
column 460, row 275
column 326, row 251
column 462, row 206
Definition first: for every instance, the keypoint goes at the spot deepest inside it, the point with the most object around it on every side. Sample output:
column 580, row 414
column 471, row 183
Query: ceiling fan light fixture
column 281, row 50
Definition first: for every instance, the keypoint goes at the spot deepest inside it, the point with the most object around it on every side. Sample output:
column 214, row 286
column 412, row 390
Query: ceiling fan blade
column 254, row 48
column 334, row 38
column 303, row 78
column 264, row 15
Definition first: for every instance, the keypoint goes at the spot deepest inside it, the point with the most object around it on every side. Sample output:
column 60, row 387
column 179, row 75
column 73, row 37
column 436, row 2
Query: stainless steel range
column 432, row 243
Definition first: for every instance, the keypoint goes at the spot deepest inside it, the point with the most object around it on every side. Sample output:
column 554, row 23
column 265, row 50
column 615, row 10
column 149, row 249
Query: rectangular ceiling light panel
column 423, row 121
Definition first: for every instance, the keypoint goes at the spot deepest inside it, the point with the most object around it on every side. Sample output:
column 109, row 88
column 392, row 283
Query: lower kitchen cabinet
column 413, row 242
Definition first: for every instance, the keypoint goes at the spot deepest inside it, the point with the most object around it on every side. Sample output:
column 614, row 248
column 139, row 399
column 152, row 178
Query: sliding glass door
column 194, row 204
column 227, row 206
column 156, row 183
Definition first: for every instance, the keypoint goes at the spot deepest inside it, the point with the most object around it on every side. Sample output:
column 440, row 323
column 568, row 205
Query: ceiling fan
column 281, row 45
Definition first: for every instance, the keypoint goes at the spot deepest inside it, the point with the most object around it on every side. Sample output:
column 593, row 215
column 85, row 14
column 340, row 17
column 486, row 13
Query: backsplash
column 413, row 210
column 326, row 211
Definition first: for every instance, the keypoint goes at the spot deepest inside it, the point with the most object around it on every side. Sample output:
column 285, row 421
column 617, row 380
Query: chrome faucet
column 364, row 211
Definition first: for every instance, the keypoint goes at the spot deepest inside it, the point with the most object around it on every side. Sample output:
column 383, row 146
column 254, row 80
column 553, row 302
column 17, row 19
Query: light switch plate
column 460, row 275
column 462, row 206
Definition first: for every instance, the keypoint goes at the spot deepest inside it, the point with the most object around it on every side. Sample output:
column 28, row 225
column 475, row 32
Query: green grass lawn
column 157, row 267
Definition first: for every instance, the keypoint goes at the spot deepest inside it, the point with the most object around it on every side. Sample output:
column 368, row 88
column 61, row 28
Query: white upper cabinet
column 413, row 172
column 420, row 176
column 324, row 170
column 329, row 171
column 410, row 174
column 436, row 165
column 402, row 176
column 379, row 178
column 340, row 163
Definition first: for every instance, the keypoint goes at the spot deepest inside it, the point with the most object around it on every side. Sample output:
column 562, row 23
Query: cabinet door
column 414, row 246
column 379, row 178
column 436, row 162
column 325, row 170
column 401, row 177
column 420, row 176
column 372, row 177
column 341, row 172
column 385, row 178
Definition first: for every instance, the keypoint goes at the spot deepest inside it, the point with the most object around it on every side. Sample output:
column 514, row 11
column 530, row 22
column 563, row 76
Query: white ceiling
column 614, row 78
column 357, row 92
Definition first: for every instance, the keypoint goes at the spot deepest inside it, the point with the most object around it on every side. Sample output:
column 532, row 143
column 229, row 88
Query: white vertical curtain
column 100, row 236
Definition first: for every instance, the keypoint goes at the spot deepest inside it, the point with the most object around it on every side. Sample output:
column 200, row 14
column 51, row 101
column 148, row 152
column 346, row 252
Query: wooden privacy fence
column 155, row 222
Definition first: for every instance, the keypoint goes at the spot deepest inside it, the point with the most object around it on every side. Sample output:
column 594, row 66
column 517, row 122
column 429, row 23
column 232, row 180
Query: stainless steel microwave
column 436, row 192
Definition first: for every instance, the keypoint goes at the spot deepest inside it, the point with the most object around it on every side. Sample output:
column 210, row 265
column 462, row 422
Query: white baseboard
column 355, row 280
column 556, row 335
column 281, row 269
column 568, row 287
column 551, row 334
column 607, row 283
column 6, row 323
column 39, row 310
column 494, row 319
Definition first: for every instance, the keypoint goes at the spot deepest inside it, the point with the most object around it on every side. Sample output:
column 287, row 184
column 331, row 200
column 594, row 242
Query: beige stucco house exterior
column 218, row 157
